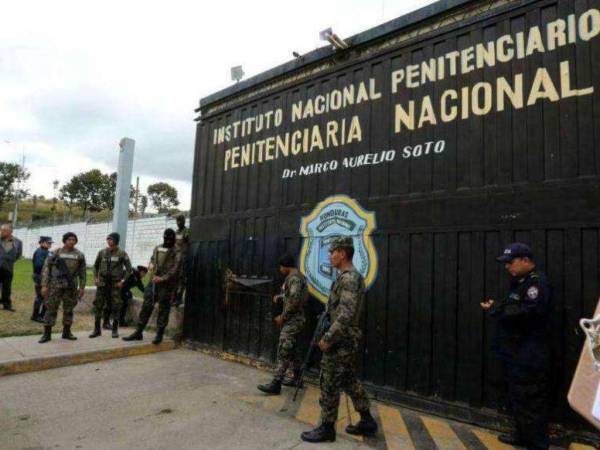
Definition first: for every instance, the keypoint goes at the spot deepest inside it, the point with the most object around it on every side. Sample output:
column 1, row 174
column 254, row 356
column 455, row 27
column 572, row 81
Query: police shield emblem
column 336, row 216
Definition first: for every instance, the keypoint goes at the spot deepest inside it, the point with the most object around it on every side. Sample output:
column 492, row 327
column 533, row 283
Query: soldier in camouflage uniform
column 165, row 265
column 182, row 245
column 291, row 321
column 340, row 348
column 62, row 269
column 111, row 268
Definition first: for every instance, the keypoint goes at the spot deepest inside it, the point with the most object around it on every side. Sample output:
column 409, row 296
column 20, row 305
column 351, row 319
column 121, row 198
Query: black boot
column 67, row 333
column 159, row 336
column 366, row 426
column 511, row 439
column 291, row 381
column 97, row 332
column 115, row 328
column 47, row 336
column 324, row 432
column 273, row 388
column 137, row 335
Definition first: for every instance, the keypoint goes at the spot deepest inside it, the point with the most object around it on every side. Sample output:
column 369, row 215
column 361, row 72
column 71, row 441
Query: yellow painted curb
column 53, row 362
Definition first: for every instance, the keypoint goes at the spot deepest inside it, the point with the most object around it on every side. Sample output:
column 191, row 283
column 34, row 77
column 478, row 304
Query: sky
column 76, row 77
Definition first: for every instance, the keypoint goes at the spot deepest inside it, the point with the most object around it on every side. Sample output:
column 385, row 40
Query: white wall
column 142, row 236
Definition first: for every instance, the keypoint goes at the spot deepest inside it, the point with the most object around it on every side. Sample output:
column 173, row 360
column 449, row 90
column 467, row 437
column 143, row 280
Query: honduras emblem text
column 335, row 216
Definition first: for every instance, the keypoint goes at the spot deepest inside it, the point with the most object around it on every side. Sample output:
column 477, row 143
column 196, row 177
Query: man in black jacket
column 38, row 259
column 11, row 249
column 522, row 344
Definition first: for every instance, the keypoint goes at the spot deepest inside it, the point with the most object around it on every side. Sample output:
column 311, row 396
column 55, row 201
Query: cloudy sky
column 77, row 76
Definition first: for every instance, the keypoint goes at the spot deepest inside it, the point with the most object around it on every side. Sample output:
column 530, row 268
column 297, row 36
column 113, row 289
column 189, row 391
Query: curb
column 52, row 362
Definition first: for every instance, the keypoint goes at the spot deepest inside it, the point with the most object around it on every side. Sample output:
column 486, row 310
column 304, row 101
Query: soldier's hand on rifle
column 81, row 292
column 156, row 279
column 279, row 321
column 487, row 304
column 276, row 298
column 120, row 284
column 44, row 292
column 324, row 346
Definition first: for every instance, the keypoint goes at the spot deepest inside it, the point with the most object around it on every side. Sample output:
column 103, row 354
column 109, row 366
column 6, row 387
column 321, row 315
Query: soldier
column 38, row 259
column 11, row 249
column 522, row 344
column 340, row 347
column 182, row 245
column 111, row 268
column 291, row 322
column 61, row 271
column 165, row 266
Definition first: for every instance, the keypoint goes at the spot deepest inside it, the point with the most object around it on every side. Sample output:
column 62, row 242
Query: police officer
column 165, row 266
column 11, row 249
column 182, row 245
column 38, row 259
column 62, row 271
column 111, row 268
column 522, row 344
column 291, row 322
column 340, row 348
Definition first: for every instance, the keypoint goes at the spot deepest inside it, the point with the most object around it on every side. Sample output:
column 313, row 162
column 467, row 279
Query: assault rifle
column 323, row 325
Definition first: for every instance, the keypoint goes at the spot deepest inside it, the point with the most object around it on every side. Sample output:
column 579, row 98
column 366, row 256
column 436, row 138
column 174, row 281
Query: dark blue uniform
column 522, row 343
column 39, row 257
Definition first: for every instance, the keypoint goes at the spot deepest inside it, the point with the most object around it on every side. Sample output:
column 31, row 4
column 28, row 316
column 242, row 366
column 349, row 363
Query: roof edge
column 392, row 26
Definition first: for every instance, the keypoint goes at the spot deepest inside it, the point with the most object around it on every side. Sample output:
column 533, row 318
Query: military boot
column 273, row 388
column 47, row 336
column 366, row 426
column 67, row 333
column 324, row 432
column 159, row 336
column 137, row 335
column 115, row 328
column 511, row 439
column 97, row 332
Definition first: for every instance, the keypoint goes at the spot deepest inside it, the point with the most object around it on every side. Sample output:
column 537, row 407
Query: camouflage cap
column 341, row 242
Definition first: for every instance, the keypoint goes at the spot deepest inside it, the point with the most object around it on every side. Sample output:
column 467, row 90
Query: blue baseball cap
column 515, row 250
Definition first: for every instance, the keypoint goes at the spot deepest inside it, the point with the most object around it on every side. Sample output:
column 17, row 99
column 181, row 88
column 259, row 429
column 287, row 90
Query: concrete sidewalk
column 24, row 353
column 185, row 399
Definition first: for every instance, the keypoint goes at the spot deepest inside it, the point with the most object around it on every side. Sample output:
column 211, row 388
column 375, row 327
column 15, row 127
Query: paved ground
column 184, row 399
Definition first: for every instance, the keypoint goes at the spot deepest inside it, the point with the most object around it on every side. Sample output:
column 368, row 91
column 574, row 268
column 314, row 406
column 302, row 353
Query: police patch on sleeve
column 533, row 292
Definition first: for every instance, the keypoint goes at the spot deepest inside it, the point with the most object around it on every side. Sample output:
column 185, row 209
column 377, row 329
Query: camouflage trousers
column 338, row 373
column 68, row 297
column 287, row 350
column 107, row 300
column 163, row 295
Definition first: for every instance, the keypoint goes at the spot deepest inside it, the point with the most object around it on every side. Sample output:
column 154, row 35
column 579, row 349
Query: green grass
column 18, row 323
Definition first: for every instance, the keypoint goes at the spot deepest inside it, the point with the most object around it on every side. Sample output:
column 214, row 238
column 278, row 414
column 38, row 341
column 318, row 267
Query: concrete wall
column 142, row 236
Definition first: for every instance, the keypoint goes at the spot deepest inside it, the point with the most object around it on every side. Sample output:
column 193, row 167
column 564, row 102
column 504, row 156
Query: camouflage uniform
column 338, row 370
column 110, row 268
column 295, row 291
column 59, row 288
column 167, row 265
column 182, row 246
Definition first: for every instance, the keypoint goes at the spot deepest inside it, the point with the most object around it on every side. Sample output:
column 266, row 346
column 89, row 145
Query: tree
column 11, row 178
column 91, row 191
column 163, row 196
column 143, row 204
